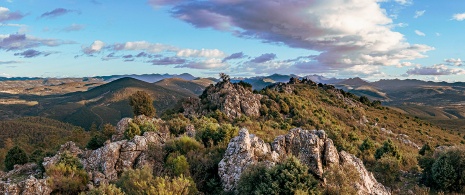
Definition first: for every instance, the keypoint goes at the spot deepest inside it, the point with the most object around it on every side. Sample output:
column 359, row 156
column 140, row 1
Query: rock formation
column 313, row 148
column 102, row 165
column 232, row 99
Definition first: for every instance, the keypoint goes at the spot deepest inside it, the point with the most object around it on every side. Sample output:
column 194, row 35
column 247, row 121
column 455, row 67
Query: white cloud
column 207, row 53
column 145, row 46
column 419, row 13
column 419, row 33
column 404, row 2
column 347, row 33
column 211, row 64
column 454, row 62
column 96, row 47
column 437, row 69
column 459, row 17
column 6, row 14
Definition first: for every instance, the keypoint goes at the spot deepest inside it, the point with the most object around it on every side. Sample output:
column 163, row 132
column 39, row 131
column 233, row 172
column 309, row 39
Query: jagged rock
column 368, row 184
column 113, row 158
column 313, row 148
column 233, row 100
column 30, row 186
column 120, row 128
column 69, row 147
column 243, row 150
column 22, row 180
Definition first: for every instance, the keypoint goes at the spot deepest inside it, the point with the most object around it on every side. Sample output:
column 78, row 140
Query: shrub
column 142, row 104
column 341, row 180
column 288, row 177
column 177, row 164
column 110, row 189
column 96, row 142
column 67, row 176
column 178, row 125
column 15, row 155
column 141, row 181
column 388, row 148
column 446, row 170
column 183, row 145
column 387, row 170
column 133, row 130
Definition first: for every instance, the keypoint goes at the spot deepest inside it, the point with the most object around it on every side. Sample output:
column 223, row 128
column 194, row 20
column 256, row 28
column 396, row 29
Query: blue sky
column 371, row 39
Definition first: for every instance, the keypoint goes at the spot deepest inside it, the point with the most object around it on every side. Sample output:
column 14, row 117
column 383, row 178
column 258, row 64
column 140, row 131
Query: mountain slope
column 107, row 103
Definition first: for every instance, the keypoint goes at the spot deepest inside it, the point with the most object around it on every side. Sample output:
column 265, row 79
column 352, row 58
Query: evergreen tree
column 142, row 104
column 15, row 155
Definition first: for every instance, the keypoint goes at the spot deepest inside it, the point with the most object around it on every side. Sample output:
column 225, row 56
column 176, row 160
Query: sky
column 371, row 39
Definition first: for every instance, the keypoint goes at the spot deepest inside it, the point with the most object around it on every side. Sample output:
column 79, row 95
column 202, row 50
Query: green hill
column 38, row 133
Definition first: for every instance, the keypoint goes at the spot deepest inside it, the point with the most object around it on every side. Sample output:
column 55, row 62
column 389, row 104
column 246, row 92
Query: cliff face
column 312, row 148
column 232, row 99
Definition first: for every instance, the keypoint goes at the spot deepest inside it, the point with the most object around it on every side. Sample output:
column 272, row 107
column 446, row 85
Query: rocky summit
column 232, row 99
column 313, row 148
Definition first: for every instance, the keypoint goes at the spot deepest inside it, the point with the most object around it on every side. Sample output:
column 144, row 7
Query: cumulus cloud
column 205, row 64
column 6, row 15
column 168, row 61
column 234, row 56
column 404, row 2
column 438, row 69
column 454, row 62
column 419, row 33
column 144, row 46
column 264, row 58
column 73, row 27
column 459, row 17
column 57, row 12
column 419, row 13
column 95, row 47
column 31, row 53
column 207, row 53
column 346, row 32
column 21, row 41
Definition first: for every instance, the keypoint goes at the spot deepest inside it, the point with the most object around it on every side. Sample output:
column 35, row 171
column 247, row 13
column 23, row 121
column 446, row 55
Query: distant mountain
column 354, row 82
column 149, row 78
column 185, row 86
column 322, row 79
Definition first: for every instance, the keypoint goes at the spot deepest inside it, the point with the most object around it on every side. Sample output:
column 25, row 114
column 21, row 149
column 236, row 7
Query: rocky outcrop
column 22, row 180
column 313, row 148
column 232, row 99
column 105, row 163
column 29, row 186
column 243, row 150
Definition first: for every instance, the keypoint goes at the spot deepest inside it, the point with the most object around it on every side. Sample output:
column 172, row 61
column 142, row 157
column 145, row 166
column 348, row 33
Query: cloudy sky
column 371, row 39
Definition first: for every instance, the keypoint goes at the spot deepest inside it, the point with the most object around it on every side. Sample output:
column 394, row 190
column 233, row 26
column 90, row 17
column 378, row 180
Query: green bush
column 142, row 182
column 177, row 164
column 387, row 170
column 96, row 142
column 288, row 177
column 15, row 156
column 177, row 126
column 67, row 176
column 388, row 148
column 110, row 189
column 341, row 179
column 133, row 130
column 142, row 104
column 183, row 145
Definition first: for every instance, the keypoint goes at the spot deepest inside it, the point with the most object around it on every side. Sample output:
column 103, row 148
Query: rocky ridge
column 313, row 148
